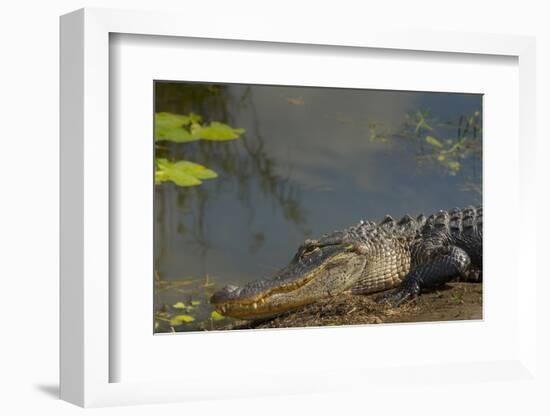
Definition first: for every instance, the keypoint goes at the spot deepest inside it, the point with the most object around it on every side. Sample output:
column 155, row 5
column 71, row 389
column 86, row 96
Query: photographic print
column 289, row 206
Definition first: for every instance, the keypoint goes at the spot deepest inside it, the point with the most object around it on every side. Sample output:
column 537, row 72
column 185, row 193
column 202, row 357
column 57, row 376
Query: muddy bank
column 456, row 301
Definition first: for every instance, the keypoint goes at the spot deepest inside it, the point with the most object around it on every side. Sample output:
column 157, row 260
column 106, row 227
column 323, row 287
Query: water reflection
column 312, row 160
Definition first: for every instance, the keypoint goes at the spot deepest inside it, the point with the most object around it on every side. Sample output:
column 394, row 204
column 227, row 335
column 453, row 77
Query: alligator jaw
column 242, row 302
column 313, row 274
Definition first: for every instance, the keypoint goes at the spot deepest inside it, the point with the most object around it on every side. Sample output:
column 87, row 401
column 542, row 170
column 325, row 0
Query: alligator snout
column 225, row 294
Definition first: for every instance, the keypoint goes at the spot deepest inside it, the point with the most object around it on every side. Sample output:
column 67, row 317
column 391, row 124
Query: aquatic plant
column 180, row 128
column 447, row 152
column 182, row 305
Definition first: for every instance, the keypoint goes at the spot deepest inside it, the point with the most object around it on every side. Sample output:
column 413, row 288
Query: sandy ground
column 455, row 301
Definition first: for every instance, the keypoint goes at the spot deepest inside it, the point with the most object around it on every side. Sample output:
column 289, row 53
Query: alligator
column 403, row 258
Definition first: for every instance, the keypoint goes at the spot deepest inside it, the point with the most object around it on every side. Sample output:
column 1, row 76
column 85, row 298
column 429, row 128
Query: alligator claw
column 395, row 297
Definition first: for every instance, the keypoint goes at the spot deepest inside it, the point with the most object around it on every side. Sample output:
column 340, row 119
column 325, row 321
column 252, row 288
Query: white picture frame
column 86, row 291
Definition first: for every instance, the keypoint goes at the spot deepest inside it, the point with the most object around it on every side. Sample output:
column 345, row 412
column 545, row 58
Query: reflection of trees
column 243, row 162
column 182, row 98
column 283, row 192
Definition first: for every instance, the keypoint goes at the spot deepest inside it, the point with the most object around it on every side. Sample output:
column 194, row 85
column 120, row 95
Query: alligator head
column 318, row 270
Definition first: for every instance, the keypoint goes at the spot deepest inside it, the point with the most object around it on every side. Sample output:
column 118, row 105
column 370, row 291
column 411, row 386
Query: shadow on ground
column 51, row 390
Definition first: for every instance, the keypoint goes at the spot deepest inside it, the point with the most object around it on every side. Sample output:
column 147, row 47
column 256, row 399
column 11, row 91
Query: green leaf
column 182, row 173
column 160, row 176
column 195, row 302
column 216, row 316
column 179, row 178
column 215, row 131
column 181, row 319
column 457, row 145
column 194, row 118
column 454, row 165
column 421, row 124
column 187, row 128
column 194, row 169
column 179, row 305
column 433, row 141
column 173, row 127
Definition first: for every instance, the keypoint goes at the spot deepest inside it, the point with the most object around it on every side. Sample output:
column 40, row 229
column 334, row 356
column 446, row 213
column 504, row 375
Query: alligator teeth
column 255, row 305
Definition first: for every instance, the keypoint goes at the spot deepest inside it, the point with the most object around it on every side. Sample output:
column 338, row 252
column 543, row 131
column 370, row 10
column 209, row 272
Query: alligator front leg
column 443, row 268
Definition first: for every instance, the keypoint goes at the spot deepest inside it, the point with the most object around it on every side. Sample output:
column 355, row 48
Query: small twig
column 352, row 310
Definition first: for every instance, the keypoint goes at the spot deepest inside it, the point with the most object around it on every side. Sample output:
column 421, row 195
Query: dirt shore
column 456, row 301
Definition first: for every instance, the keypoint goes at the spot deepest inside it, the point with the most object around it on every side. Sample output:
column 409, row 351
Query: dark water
column 312, row 160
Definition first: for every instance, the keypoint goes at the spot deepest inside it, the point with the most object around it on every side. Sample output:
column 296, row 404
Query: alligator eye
column 310, row 250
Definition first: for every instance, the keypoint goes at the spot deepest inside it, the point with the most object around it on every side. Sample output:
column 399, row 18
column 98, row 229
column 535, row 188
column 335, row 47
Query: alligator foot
column 454, row 261
column 398, row 296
